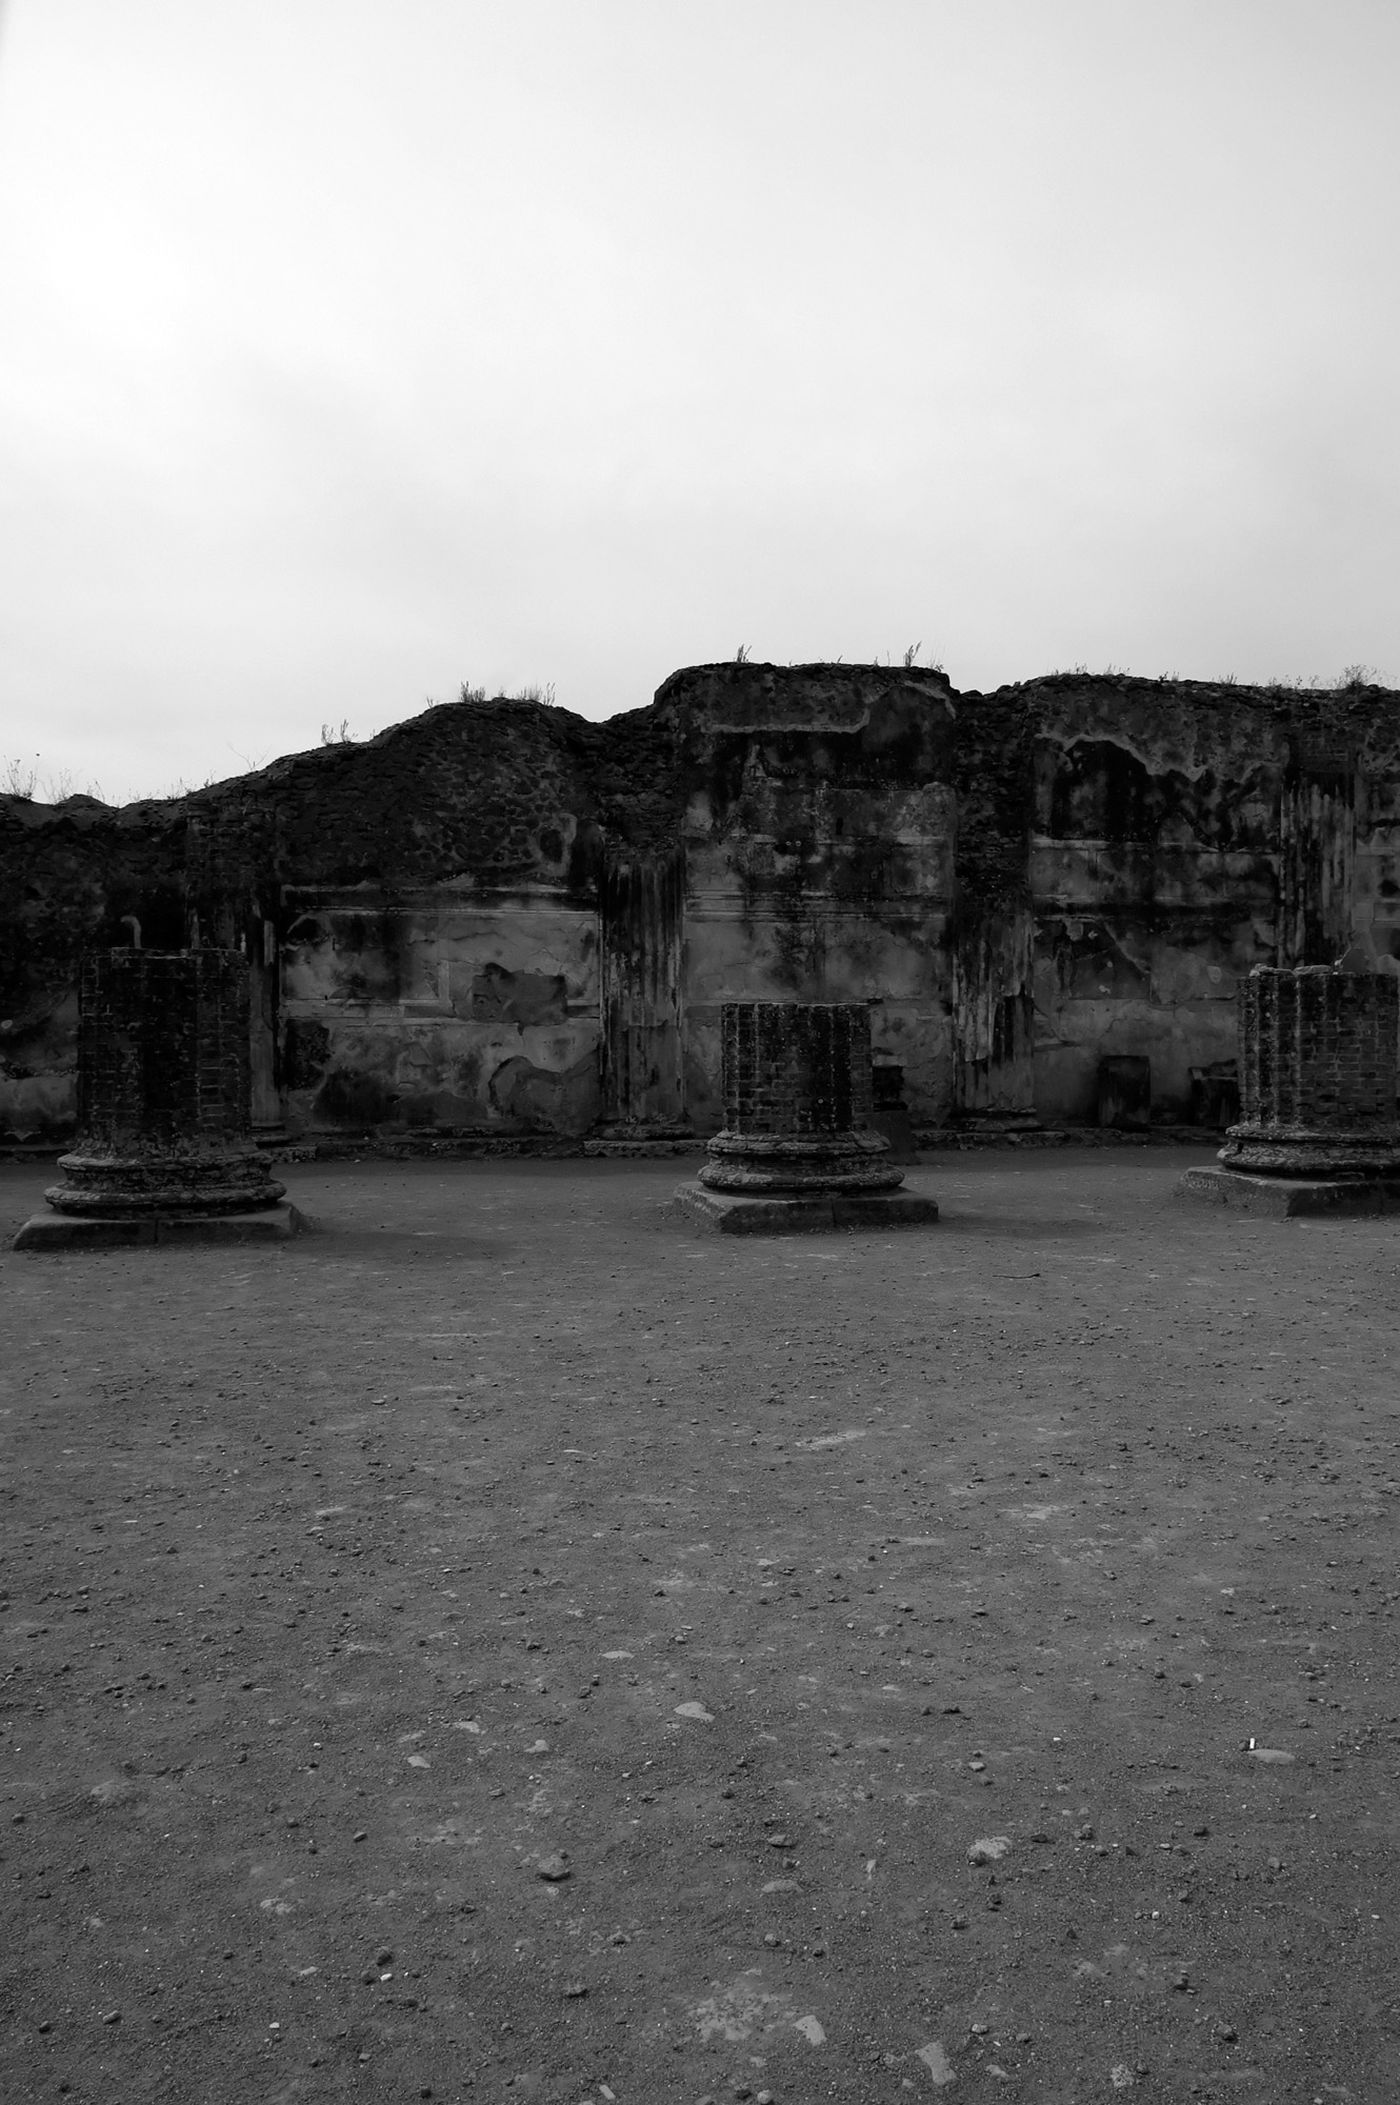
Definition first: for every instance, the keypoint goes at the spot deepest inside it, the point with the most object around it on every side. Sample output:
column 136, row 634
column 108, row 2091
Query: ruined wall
column 499, row 918
column 420, row 914
column 73, row 878
column 1182, row 833
column 1154, row 870
column 440, row 1011
column 819, row 836
column 641, row 923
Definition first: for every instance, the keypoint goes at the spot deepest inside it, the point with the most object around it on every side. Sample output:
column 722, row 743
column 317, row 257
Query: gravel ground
column 508, row 1645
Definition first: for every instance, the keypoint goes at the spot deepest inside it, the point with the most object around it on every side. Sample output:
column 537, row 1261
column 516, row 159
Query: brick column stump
column 798, row 1149
column 1317, row 1131
column 164, row 1150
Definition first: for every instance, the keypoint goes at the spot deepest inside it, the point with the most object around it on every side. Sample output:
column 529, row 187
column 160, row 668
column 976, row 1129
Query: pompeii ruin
column 799, row 1148
column 501, row 926
column 164, row 1150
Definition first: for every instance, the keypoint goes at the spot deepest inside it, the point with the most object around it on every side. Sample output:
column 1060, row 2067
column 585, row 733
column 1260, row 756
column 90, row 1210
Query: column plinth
column 798, row 1148
column 165, row 1141
column 1318, row 1052
column 1318, row 1131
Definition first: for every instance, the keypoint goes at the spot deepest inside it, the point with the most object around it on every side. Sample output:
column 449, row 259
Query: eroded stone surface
column 797, row 1151
column 1318, row 1055
column 501, row 923
column 163, row 1091
column 797, row 1103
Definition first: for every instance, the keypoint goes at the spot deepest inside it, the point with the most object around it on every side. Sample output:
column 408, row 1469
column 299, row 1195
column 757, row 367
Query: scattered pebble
column 937, row 2062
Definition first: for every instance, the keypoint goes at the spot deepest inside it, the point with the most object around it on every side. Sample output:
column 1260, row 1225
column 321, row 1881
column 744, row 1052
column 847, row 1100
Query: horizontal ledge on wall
column 1082, row 843
column 308, row 1008
column 732, row 906
column 444, row 898
column 904, row 1005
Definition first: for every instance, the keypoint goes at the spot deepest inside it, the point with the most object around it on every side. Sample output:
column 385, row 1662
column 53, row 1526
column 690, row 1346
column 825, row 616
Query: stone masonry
column 1318, row 1051
column 797, row 1101
column 798, row 1149
column 1318, row 1131
column 164, row 1124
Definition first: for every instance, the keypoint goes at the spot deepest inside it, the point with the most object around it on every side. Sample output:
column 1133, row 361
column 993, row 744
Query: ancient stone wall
column 498, row 918
column 819, row 836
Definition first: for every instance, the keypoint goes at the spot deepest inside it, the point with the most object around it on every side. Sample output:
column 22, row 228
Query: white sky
column 349, row 351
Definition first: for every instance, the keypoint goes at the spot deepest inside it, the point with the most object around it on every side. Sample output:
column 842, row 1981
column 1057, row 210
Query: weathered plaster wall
column 1182, row 833
column 500, row 918
column 1154, row 870
column 73, row 877
column 641, row 924
column 819, row 838
column 440, row 1011
column 421, row 915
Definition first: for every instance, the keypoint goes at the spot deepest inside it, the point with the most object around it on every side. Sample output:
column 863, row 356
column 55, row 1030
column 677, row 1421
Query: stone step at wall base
column 727, row 1213
column 90, row 1231
column 1292, row 1198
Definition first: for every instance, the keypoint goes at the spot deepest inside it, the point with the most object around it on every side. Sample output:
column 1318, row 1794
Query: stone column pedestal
column 798, row 1149
column 1318, row 1130
column 164, row 1149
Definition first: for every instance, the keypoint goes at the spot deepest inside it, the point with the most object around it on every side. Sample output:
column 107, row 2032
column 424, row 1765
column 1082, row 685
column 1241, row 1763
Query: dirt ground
column 508, row 1645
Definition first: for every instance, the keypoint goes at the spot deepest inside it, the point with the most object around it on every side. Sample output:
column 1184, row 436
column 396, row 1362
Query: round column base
column 753, row 1163
column 1303, row 1151
column 165, row 1181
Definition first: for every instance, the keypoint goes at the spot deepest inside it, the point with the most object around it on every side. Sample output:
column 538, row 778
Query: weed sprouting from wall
column 24, row 780
column 1352, row 677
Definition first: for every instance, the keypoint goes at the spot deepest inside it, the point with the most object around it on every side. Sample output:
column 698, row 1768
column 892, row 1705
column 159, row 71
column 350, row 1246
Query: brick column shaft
column 164, row 1121
column 797, row 1101
column 1318, row 1055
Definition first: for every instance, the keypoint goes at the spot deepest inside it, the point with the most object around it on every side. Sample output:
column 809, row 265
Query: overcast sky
column 351, row 351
